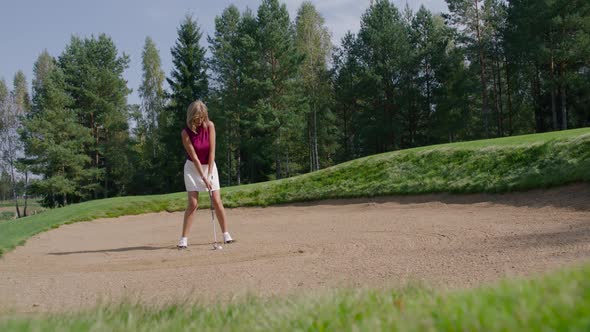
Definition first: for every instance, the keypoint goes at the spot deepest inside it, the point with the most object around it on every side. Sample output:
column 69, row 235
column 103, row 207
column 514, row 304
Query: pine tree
column 225, row 63
column 468, row 16
column 151, row 92
column 255, row 156
column 281, row 94
column 432, row 47
column 385, row 51
column 93, row 72
column 312, row 40
column 549, row 48
column 43, row 66
column 347, row 75
column 147, row 147
column 20, row 93
column 188, row 82
column 54, row 140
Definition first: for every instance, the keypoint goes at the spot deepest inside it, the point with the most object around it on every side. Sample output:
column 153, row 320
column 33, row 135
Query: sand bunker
column 443, row 240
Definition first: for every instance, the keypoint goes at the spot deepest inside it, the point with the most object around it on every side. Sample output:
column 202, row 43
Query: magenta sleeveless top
column 200, row 141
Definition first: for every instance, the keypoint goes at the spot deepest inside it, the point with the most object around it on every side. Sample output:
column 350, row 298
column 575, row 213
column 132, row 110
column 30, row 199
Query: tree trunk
column 288, row 173
column 229, row 165
column 346, row 135
column 278, row 157
column 540, row 126
column 553, row 104
column 315, row 140
column 310, row 140
column 484, row 96
column 495, row 97
column 94, row 131
column 15, row 194
column 239, row 166
column 508, row 94
column 563, row 100
column 106, row 171
column 238, row 146
column 26, row 195
column 428, row 102
column 501, row 108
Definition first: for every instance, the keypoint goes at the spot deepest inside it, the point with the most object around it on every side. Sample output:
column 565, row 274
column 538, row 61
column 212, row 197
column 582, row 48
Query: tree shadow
column 576, row 237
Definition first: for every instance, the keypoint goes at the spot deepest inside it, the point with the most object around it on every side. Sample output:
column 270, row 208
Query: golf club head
column 217, row 246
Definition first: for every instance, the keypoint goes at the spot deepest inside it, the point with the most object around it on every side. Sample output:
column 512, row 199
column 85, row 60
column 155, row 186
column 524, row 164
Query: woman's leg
column 219, row 210
column 191, row 207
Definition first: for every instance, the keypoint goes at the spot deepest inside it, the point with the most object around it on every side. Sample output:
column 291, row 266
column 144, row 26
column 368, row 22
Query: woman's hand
column 207, row 183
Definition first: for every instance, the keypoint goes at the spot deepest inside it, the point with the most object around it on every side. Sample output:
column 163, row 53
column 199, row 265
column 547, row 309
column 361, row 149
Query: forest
column 286, row 99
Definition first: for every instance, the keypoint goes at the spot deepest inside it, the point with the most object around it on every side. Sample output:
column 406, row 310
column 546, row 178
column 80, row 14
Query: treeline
column 286, row 101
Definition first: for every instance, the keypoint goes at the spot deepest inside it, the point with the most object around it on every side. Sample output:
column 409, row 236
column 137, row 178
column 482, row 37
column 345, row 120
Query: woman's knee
column 191, row 207
column 217, row 198
column 192, row 203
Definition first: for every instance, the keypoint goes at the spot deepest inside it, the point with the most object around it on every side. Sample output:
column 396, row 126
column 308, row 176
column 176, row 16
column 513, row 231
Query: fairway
column 440, row 239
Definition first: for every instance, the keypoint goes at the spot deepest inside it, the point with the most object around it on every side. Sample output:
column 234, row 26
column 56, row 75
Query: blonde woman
column 200, row 171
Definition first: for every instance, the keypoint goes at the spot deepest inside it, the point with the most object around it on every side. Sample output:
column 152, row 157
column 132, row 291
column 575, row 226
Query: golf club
column 215, row 245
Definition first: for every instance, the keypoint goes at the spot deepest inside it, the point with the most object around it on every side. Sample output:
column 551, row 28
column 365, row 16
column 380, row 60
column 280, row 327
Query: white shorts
column 192, row 178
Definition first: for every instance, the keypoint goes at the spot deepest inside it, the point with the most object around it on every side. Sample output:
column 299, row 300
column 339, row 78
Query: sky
column 27, row 27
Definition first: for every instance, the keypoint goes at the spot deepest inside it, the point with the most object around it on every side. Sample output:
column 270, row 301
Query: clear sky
column 27, row 27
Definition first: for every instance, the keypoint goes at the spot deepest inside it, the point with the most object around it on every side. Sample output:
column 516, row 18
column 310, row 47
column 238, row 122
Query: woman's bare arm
column 211, row 147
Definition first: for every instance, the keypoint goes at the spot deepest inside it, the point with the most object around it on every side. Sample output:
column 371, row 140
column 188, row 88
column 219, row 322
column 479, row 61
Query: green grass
column 557, row 302
column 496, row 165
column 6, row 215
column 8, row 210
column 30, row 204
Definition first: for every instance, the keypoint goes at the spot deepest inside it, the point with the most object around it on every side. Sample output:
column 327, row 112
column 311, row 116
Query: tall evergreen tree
column 151, row 92
column 312, row 40
column 347, row 75
column 468, row 16
column 21, row 97
column 433, row 62
column 93, row 72
column 188, row 82
column 385, row 49
column 147, row 144
column 55, row 142
column 225, row 64
column 280, row 104
column 255, row 156
column 41, row 69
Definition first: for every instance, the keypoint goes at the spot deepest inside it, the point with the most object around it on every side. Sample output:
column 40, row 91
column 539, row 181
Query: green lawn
column 557, row 302
column 8, row 210
column 496, row 165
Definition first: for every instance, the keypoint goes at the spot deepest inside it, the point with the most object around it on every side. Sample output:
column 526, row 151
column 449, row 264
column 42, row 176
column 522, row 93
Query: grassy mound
column 558, row 302
column 496, row 165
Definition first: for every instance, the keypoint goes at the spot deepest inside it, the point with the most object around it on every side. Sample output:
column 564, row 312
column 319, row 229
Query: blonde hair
column 196, row 115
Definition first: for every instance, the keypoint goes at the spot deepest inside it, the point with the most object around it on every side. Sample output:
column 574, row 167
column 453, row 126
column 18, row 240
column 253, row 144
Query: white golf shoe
column 182, row 243
column 227, row 238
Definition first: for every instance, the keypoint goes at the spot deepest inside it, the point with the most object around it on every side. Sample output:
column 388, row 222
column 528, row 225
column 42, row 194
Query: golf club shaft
column 213, row 219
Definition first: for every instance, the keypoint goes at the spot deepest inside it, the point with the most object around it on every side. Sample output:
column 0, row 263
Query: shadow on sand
column 126, row 249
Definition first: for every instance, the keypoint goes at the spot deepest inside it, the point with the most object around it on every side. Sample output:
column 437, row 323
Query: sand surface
column 443, row 240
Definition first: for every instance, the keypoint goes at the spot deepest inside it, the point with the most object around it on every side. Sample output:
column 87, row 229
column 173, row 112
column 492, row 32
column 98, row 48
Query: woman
column 200, row 171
